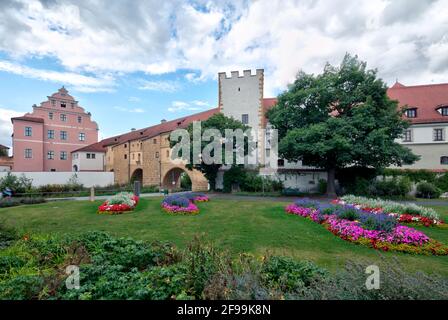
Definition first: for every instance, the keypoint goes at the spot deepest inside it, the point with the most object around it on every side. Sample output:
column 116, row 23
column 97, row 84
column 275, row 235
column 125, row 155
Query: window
column 82, row 136
column 444, row 160
column 50, row 155
column 75, row 156
column 245, row 118
column 63, row 105
column 79, row 119
column 93, row 155
column 407, row 136
column 239, row 89
column 63, row 135
column 444, row 111
column 63, row 155
column 125, row 145
column 88, row 155
column 28, row 153
column 133, row 156
column 438, row 135
column 125, row 156
column 411, row 113
column 167, row 153
column 63, row 117
column 157, row 155
column 50, row 134
column 53, row 170
column 280, row 163
column 28, row 131
column 154, row 141
column 50, row 115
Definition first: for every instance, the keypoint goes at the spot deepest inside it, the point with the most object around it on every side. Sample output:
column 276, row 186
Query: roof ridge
column 420, row 85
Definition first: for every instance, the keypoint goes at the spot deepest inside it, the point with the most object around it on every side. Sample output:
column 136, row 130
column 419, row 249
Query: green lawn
column 258, row 227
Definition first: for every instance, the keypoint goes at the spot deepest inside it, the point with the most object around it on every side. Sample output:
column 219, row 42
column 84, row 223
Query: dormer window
column 63, row 105
column 443, row 111
column 411, row 113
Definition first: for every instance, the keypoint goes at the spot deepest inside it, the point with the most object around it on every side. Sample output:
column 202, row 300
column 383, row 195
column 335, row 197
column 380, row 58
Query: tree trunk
column 331, row 188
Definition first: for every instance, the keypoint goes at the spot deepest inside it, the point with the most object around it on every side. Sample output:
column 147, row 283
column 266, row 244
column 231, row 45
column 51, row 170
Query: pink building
column 44, row 139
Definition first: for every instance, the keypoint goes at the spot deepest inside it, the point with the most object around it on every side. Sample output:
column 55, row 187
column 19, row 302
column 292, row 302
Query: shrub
column 289, row 274
column 11, row 202
column 21, row 287
column 427, row 190
column 17, row 184
column 322, row 186
column 396, row 187
column 442, row 182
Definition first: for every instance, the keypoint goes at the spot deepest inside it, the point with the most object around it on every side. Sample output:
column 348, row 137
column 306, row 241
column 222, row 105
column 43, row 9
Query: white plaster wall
column 85, row 164
column 423, row 133
column 88, row 179
column 5, row 169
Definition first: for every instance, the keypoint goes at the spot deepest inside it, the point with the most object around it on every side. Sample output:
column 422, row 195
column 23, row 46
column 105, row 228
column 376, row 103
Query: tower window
column 280, row 163
column 245, row 118
column 79, row 119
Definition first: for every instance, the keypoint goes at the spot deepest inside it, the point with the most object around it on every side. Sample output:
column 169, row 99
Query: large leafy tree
column 342, row 117
column 220, row 123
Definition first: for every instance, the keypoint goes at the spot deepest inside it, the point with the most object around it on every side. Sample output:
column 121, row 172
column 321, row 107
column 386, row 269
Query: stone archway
column 171, row 178
column 137, row 175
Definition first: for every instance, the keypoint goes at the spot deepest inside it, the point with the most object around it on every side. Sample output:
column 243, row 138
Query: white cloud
column 77, row 81
column 164, row 86
column 177, row 106
column 134, row 99
column 200, row 103
column 6, row 125
column 405, row 39
column 130, row 110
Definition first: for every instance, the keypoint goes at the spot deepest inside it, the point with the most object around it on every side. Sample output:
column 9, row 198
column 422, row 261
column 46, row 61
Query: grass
column 258, row 227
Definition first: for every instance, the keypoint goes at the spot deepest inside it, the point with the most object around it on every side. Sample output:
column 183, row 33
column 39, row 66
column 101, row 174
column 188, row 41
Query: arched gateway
column 171, row 178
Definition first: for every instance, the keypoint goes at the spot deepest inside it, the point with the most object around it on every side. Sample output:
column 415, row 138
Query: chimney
column 133, row 129
column 162, row 121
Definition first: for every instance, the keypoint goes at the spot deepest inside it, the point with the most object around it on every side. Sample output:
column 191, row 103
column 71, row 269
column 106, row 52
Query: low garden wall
column 87, row 179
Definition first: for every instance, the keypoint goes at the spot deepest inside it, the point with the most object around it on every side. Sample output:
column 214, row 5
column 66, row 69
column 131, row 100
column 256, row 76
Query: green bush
column 413, row 175
column 249, row 181
column 119, row 268
column 427, row 190
column 18, row 184
column 290, row 275
column 11, row 202
column 396, row 187
column 442, row 182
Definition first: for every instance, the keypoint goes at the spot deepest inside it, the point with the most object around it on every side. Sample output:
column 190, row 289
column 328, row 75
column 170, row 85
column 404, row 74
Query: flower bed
column 183, row 203
column 118, row 204
column 404, row 213
column 379, row 231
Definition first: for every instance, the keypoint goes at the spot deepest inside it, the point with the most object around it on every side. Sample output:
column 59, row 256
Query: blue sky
column 133, row 63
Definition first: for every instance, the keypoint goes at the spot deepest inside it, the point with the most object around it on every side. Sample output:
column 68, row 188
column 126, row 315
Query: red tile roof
column 268, row 103
column 149, row 132
column 426, row 98
column 27, row 118
column 95, row 147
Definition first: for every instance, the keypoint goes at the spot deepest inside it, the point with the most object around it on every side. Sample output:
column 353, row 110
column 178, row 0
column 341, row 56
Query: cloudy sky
column 132, row 63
